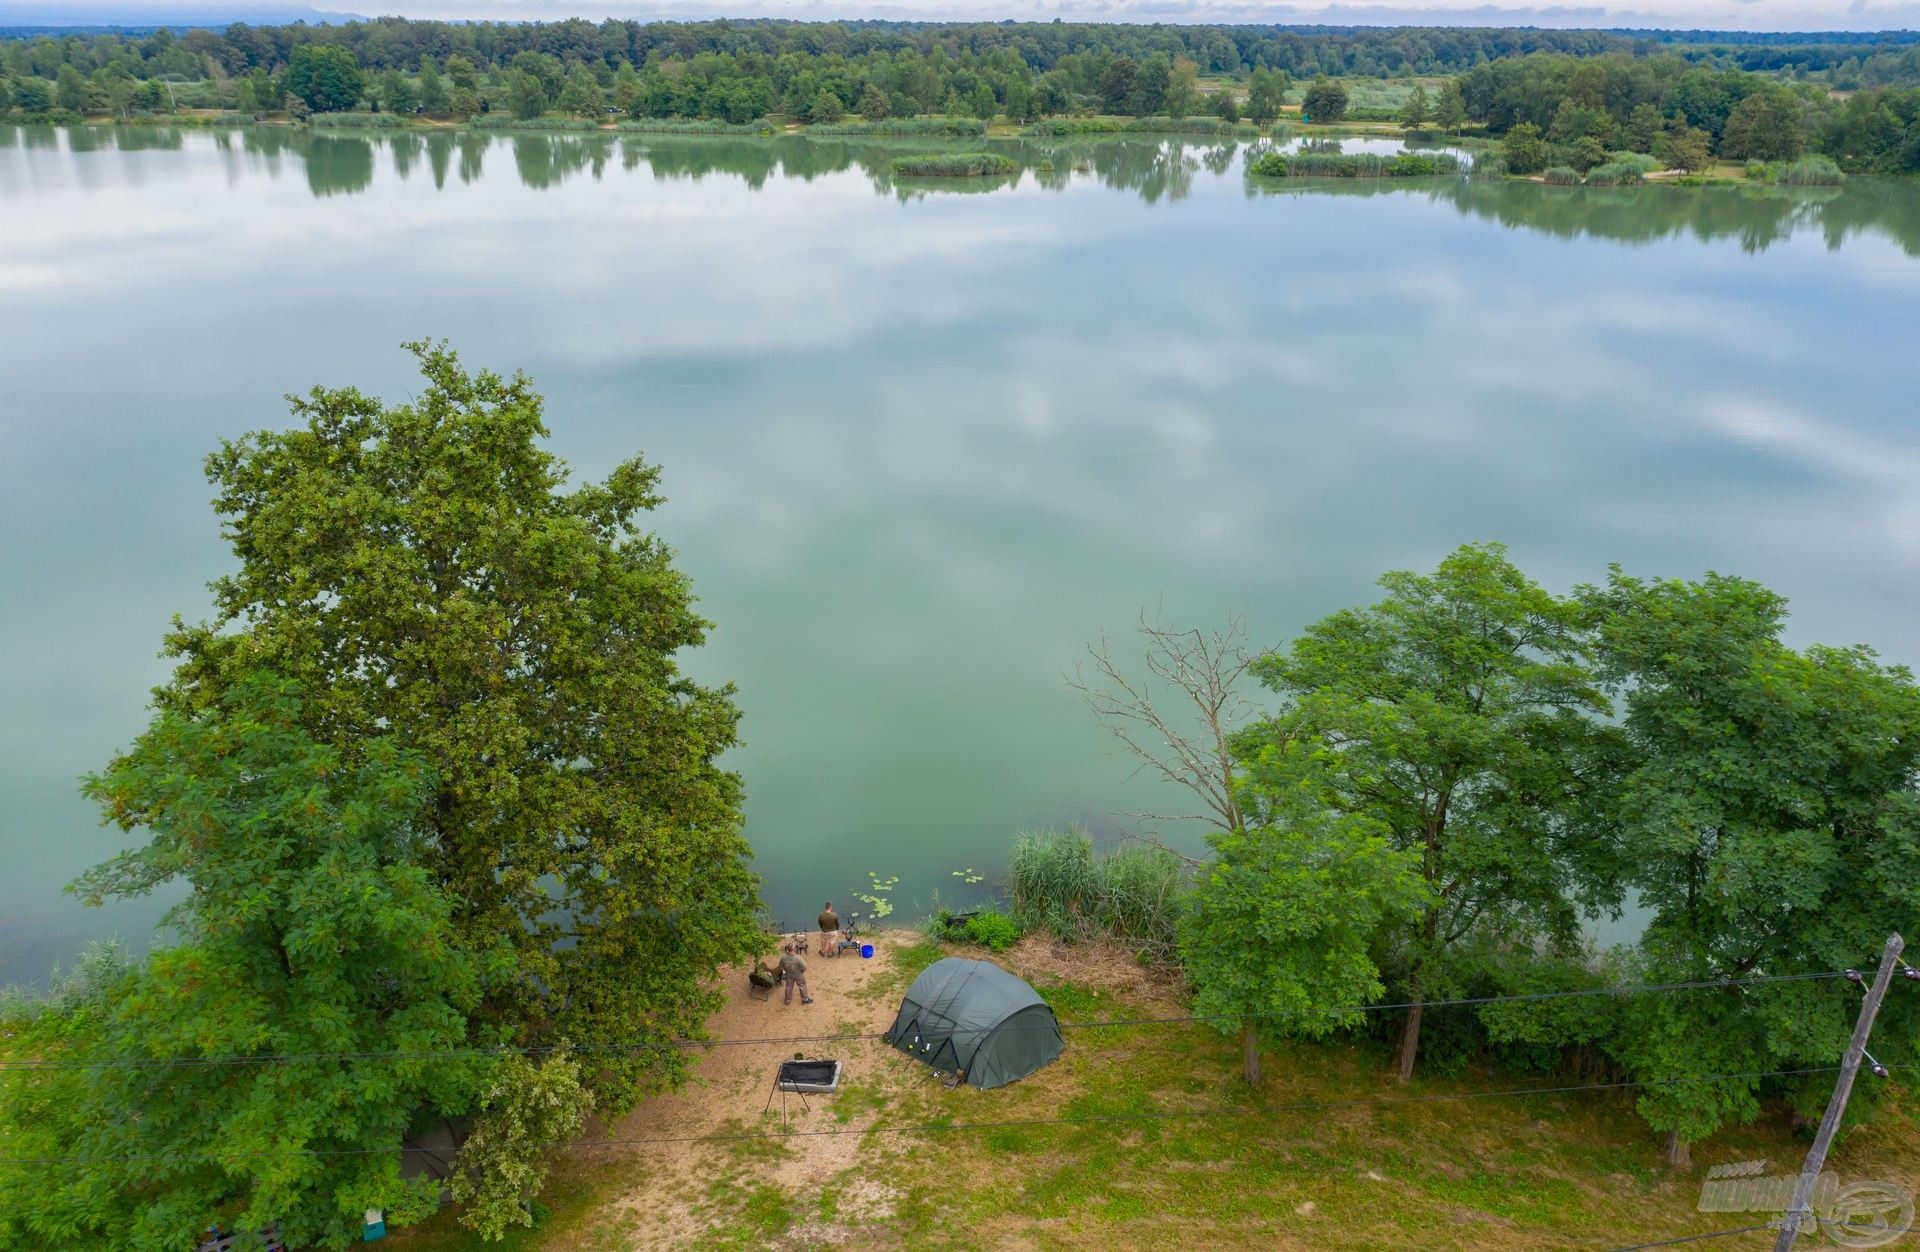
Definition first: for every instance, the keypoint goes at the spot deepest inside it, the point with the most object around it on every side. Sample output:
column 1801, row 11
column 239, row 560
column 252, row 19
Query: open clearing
column 1168, row 1147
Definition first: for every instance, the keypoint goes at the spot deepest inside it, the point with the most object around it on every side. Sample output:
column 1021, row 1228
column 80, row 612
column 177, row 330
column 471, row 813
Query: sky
column 1692, row 14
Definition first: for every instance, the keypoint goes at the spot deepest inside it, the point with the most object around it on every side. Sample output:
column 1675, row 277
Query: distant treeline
column 1846, row 59
column 1574, row 110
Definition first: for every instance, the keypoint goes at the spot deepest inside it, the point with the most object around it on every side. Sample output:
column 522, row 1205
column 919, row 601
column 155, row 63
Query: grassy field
column 1168, row 1147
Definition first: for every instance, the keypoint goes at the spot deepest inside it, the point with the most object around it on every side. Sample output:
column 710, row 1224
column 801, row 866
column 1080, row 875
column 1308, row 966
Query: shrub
column 1812, row 171
column 1561, row 176
column 955, row 165
column 993, row 931
column 1054, row 127
column 1268, row 165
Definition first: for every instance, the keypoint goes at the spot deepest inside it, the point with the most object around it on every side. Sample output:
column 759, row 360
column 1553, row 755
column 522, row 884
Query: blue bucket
column 866, row 949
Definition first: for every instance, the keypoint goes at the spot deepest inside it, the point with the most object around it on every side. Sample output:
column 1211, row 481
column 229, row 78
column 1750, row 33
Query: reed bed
column 1561, row 176
column 354, row 121
column 694, row 126
column 1352, row 165
column 1134, row 895
column 1811, row 171
column 955, row 165
column 931, row 127
column 492, row 122
column 1212, row 127
column 1615, row 174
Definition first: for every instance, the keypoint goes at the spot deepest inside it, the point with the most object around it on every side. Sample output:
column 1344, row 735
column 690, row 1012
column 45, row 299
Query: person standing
column 793, row 969
column 829, row 931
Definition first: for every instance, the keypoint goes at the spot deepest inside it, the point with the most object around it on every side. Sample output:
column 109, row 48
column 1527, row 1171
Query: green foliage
column 354, row 121
column 495, row 121
column 1414, row 114
column 954, row 127
column 693, row 126
column 1458, row 712
column 1285, row 918
column 1810, row 171
column 1060, row 127
column 1353, row 165
column 1585, row 153
column 424, row 572
column 826, row 107
column 1765, row 126
column 1134, row 894
column 1561, row 176
column 1325, row 101
column 309, row 929
column 1524, row 150
column 528, row 1113
column 994, row 931
column 1269, row 164
column 1774, row 824
column 874, row 104
column 1684, row 148
column 582, row 96
column 1616, row 174
column 955, row 165
column 526, row 95
column 1450, row 111
column 326, row 77
column 1266, row 90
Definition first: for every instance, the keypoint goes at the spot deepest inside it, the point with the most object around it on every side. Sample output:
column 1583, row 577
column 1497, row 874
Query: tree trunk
column 1250, row 1054
column 1679, row 1151
column 1410, row 1042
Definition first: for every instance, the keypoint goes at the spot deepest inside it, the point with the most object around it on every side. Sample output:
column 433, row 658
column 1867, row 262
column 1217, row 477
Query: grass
column 1057, row 127
column 693, row 126
column 494, row 121
column 955, row 165
column 1188, row 1154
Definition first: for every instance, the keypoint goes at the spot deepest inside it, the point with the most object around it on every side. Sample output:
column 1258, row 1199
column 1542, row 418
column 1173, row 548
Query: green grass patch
column 934, row 127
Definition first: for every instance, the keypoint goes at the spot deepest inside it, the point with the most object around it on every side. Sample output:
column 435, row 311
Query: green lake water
column 923, row 441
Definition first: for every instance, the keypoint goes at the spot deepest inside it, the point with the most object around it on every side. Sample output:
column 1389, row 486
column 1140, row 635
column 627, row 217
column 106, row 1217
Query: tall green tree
column 874, row 105
column 1774, row 824
column 1765, row 126
column 425, row 572
column 1413, row 114
column 1183, row 96
column 1459, row 712
column 1450, row 110
column 327, row 77
column 1325, row 101
column 582, row 96
column 1526, row 152
column 70, row 90
column 526, row 95
column 433, row 89
column 310, row 931
column 1266, row 92
column 1279, row 941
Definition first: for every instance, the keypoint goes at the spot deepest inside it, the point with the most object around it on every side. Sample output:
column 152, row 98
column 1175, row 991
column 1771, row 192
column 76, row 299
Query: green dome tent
column 975, row 1019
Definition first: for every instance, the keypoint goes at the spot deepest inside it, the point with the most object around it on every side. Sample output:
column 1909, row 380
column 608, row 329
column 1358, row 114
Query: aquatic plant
column 955, row 165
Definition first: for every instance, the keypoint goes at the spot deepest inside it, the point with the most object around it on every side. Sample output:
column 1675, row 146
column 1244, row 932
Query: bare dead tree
column 1178, row 720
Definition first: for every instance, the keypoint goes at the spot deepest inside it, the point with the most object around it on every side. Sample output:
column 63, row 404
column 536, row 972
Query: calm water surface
column 920, row 444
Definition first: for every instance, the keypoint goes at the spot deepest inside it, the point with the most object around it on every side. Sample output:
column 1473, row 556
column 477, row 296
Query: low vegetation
column 955, row 165
column 1309, row 164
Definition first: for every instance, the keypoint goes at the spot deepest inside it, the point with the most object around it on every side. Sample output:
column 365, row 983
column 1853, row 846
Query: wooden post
column 1842, row 1088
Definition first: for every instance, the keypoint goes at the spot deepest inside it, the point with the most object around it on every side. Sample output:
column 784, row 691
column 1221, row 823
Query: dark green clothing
column 792, row 966
column 829, row 921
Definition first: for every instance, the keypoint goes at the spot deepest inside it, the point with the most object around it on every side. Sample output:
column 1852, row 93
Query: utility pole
column 1842, row 1088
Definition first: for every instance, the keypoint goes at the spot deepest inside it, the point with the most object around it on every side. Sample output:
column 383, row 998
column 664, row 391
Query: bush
column 1561, row 176
column 1268, row 165
column 993, row 931
column 1812, row 171
column 955, row 165
column 1055, row 127
column 1489, row 165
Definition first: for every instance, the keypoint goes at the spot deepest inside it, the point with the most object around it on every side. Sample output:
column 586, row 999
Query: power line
column 938, row 1127
column 1674, row 1243
column 191, row 1062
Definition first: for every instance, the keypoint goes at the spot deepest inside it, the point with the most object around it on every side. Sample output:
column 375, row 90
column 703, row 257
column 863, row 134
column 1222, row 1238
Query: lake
column 922, row 441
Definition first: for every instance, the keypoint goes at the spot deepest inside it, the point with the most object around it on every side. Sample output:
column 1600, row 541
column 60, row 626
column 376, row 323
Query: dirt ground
column 681, row 1195
column 682, row 1188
